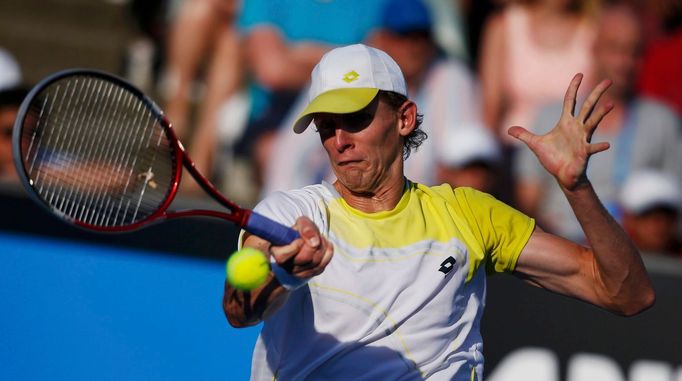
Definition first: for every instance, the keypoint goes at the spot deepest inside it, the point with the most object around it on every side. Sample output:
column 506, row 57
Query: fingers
column 521, row 134
column 309, row 232
column 307, row 256
column 596, row 118
column 597, row 147
column 571, row 94
column 310, row 236
column 315, row 267
column 592, row 100
column 283, row 254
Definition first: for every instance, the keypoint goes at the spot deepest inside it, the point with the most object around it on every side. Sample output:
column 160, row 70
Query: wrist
column 581, row 185
column 285, row 278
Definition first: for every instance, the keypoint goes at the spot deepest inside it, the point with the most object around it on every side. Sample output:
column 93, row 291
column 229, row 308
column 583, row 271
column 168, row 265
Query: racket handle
column 277, row 234
column 269, row 230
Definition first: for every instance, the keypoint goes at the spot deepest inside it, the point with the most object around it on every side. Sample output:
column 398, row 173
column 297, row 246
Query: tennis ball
column 247, row 268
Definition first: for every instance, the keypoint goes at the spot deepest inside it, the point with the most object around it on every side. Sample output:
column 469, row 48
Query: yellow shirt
column 403, row 295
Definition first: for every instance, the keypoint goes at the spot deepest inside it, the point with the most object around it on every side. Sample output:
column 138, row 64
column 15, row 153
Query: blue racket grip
column 269, row 230
column 277, row 234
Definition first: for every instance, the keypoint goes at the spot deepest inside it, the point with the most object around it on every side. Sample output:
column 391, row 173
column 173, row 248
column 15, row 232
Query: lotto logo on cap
column 347, row 79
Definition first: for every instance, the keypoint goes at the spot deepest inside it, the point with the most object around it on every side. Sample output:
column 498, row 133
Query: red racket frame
column 238, row 215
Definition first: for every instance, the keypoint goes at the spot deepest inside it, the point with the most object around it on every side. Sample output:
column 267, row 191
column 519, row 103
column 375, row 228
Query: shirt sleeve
column 254, row 13
column 278, row 207
column 501, row 230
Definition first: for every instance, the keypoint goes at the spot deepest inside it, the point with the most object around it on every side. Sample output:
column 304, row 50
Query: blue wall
column 73, row 311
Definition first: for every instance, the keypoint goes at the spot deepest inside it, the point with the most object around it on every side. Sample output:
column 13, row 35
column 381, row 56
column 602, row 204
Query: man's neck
column 384, row 198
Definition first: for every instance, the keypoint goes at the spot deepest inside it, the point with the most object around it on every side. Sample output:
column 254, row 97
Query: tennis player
column 403, row 295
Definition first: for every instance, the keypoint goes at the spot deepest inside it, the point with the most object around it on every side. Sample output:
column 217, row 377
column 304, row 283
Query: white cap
column 10, row 74
column 467, row 144
column 646, row 189
column 347, row 79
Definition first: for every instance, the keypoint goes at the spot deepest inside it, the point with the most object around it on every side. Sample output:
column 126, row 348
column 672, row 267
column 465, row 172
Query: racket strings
column 67, row 195
column 96, row 152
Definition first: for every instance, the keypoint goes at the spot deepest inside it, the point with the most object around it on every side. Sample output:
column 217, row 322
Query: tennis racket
column 99, row 154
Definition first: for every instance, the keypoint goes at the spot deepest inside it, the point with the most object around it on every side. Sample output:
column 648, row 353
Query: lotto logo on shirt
column 447, row 265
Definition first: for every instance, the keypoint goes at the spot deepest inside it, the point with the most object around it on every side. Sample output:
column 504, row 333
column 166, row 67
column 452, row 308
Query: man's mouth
column 348, row 162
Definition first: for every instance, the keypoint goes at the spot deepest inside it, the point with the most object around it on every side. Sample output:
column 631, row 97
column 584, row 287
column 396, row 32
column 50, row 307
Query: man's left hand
column 566, row 149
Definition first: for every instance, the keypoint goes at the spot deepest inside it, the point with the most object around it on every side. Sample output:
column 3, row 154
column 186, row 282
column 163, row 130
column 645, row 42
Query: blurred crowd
column 232, row 76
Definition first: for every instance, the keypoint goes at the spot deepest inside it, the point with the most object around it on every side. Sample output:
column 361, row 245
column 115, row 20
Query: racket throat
column 239, row 217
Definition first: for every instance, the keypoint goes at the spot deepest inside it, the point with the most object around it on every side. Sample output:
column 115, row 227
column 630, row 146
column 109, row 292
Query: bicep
column 558, row 265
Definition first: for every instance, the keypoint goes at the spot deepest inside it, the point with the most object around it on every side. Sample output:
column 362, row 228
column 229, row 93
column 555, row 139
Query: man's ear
column 407, row 118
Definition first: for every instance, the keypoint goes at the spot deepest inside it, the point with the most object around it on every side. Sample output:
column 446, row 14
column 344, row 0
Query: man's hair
column 417, row 136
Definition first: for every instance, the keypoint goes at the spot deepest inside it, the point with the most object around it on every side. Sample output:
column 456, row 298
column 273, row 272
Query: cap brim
column 338, row 101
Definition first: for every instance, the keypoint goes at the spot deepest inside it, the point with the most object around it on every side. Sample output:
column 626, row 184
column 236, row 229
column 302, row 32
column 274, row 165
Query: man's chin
column 356, row 185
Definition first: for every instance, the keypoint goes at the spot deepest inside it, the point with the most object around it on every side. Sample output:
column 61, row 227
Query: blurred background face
column 412, row 51
column 618, row 49
column 405, row 33
column 7, row 116
column 573, row 6
column 654, row 230
column 561, row 4
column 479, row 176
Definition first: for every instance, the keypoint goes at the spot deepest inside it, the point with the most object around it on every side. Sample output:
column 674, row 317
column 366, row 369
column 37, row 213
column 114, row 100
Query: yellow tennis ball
column 247, row 268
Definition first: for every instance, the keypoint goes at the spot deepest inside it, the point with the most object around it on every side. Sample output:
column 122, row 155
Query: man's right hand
column 307, row 256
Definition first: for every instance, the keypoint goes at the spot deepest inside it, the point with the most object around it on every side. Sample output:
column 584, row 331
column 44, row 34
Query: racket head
column 95, row 151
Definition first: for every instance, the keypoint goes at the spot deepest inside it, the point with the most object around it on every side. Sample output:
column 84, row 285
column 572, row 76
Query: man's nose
column 342, row 139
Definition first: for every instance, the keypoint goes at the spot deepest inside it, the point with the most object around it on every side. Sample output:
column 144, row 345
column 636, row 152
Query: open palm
column 566, row 149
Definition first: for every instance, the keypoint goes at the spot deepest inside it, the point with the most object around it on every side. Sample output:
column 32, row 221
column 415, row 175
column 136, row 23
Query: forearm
column 291, row 68
column 246, row 308
column 303, row 258
column 622, row 283
column 279, row 65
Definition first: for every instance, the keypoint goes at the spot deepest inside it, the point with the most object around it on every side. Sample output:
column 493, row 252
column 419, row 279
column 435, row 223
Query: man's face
column 365, row 147
column 618, row 49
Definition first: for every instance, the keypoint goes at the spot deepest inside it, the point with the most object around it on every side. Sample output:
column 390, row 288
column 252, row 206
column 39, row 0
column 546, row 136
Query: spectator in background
column 443, row 88
column 203, row 53
column 10, row 100
column 642, row 133
column 11, row 96
column 476, row 12
column 145, row 54
column 449, row 28
column 659, row 17
column 651, row 202
column 283, row 40
column 471, row 159
column 202, row 38
column 661, row 76
column 528, row 52
column 10, row 72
